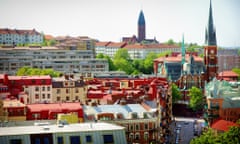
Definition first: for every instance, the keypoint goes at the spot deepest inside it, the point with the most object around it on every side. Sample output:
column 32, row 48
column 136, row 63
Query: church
column 141, row 38
column 187, row 69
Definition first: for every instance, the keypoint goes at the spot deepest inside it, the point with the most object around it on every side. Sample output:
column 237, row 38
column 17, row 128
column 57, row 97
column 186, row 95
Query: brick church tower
column 141, row 27
column 210, row 50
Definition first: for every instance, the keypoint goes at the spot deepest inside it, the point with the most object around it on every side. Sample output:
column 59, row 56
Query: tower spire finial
column 210, row 37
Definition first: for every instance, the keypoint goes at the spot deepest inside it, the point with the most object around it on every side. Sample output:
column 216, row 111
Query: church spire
column 183, row 50
column 141, row 27
column 210, row 36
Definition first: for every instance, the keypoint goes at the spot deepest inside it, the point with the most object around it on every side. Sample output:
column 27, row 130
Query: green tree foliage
column 122, row 54
column 208, row 137
column 148, row 62
column 237, row 70
column 28, row 71
column 196, row 100
column 111, row 65
column 170, row 42
column 176, row 94
column 232, row 136
column 124, row 65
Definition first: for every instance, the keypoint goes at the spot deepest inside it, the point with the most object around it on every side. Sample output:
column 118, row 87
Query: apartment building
column 68, row 89
column 109, row 48
column 140, row 51
column 65, row 61
column 228, row 59
column 17, row 36
column 223, row 101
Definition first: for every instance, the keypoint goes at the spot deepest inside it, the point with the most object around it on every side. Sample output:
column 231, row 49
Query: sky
column 110, row 20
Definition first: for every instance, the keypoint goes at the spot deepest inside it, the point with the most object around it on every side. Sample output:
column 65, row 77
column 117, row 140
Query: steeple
column 210, row 36
column 141, row 27
column 183, row 51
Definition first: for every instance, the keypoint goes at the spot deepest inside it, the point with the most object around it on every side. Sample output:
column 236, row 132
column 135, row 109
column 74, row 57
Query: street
column 184, row 129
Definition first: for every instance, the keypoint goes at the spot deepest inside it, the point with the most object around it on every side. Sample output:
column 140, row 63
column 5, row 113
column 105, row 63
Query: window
column 60, row 140
column 48, row 88
column 58, row 98
column 37, row 96
column 76, row 90
column 43, row 88
column 46, row 140
column 76, row 97
column 67, row 90
column 88, row 138
column 36, row 88
column 137, row 127
column 15, row 141
column 146, row 126
column 75, row 140
column 146, row 136
column 137, row 136
column 67, row 98
column 108, row 139
column 131, row 127
column 48, row 96
column 43, row 96
column 58, row 91
column 37, row 141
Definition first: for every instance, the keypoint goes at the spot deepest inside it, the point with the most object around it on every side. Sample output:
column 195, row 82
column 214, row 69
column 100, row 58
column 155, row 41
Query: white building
column 109, row 48
column 83, row 133
column 66, row 61
column 14, row 36
column 140, row 51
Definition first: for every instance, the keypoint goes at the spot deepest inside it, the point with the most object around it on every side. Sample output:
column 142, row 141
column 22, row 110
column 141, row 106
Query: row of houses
column 136, row 51
column 62, row 60
column 142, row 106
column 17, row 36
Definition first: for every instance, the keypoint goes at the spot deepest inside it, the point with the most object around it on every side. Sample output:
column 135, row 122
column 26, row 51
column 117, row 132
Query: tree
column 124, row 65
column 28, row 71
column 196, row 100
column 122, row 53
column 170, row 42
column 176, row 94
column 232, row 136
column 148, row 62
column 208, row 137
column 111, row 65
column 237, row 70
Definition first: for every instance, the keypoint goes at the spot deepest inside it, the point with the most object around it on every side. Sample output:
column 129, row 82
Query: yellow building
column 68, row 89
column 69, row 118
column 14, row 110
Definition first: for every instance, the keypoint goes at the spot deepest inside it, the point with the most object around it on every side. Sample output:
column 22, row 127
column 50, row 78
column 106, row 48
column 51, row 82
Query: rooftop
column 223, row 125
column 82, row 127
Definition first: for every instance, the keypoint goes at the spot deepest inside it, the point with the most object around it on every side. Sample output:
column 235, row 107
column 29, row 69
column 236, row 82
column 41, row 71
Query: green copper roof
column 225, row 90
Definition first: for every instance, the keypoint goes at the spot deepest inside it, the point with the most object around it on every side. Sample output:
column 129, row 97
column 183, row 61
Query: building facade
column 228, row 59
column 68, row 89
column 223, row 101
column 65, row 61
column 15, row 36
column 140, row 51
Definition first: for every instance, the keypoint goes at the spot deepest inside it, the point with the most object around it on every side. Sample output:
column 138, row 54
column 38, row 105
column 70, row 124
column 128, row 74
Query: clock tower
column 210, row 50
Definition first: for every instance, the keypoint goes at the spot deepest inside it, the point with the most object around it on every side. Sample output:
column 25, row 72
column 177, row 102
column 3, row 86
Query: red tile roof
column 223, row 125
column 54, row 107
column 102, row 43
column 148, row 46
column 178, row 58
column 228, row 74
column 117, row 44
column 20, row 32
